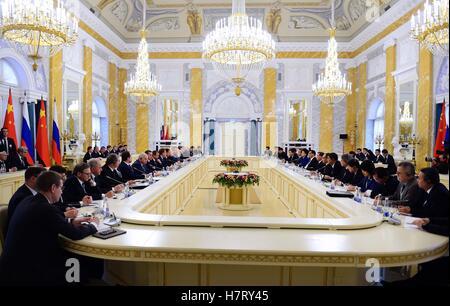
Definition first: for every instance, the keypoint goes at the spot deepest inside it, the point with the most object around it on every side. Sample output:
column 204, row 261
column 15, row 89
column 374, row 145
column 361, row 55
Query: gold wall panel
column 350, row 115
column 123, row 107
column 87, row 95
column 196, row 122
column 362, row 106
column 113, row 105
column 142, row 127
column 390, row 101
column 270, row 98
column 326, row 127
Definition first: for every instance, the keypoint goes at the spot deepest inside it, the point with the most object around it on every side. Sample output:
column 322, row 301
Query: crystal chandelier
column 39, row 25
column 143, row 83
column 332, row 83
column 430, row 27
column 238, row 45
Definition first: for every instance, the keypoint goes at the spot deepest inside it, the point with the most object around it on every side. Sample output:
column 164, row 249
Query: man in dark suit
column 408, row 190
column 126, row 168
column 97, row 180
column 110, row 176
column 313, row 162
column 325, row 167
column 163, row 158
column 292, row 156
column 321, row 163
column 21, row 162
column 433, row 196
column 359, row 154
column 388, row 183
column 95, row 153
column 281, row 154
column 77, row 187
column 345, row 175
column 355, row 177
column 335, row 167
column 26, row 190
column 34, row 231
column 155, row 162
column 5, row 165
column 378, row 157
column 140, row 165
column 88, row 154
column 8, row 145
column 389, row 160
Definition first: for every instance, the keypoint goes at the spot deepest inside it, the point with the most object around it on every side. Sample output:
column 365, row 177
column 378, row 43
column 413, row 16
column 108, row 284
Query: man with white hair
column 96, row 170
column 5, row 165
column 140, row 165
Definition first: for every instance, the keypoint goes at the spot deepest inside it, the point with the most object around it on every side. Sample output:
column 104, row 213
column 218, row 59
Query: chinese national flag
column 9, row 120
column 442, row 130
column 42, row 137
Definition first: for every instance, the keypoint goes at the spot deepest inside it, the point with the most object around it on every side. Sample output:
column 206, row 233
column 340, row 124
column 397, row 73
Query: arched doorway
column 100, row 121
column 374, row 123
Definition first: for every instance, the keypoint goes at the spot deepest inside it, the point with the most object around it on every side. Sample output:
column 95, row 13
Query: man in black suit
column 359, row 154
column 95, row 153
column 163, row 158
column 155, row 162
column 355, row 177
column 313, row 162
column 32, row 254
column 110, row 176
column 88, row 154
column 388, row 183
column 8, row 145
column 389, row 160
column 140, row 165
column 324, row 166
column 321, row 163
column 378, row 157
column 292, row 156
column 21, row 162
column 281, row 154
column 26, row 190
column 335, row 167
column 5, row 165
column 432, row 199
column 97, row 180
column 126, row 168
column 77, row 187
column 345, row 175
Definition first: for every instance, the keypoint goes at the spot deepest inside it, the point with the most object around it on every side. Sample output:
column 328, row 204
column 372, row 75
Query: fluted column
column 113, row 131
column 55, row 91
column 350, row 115
column 425, row 108
column 142, row 127
column 270, row 99
column 87, row 93
column 196, row 122
column 123, row 107
column 326, row 127
column 362, row 104
column 390, row 101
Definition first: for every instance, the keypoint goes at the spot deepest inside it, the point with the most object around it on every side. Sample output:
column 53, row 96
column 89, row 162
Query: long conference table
column 327, row 241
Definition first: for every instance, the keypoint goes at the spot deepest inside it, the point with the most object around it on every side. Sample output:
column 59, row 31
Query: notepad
column 408, row 222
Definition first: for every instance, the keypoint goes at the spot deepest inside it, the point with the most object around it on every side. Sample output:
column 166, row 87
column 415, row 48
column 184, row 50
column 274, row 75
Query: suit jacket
column 356, row 178
column 435, row 204
column 87, row 156
column 336, row 170
column 369, row 183
column 34, row 231
column 21, row 163
column 303, row 161
column 407, row 192
column 143, row 168
column 10, row 147
column 21, row 193
column 109, row 179
column 96, row 155
column 325, row 169
column 5, row 164
column 154, row 165
column 392, row 168
column 361, row 156
column 128, row 172
column 282, row 155
column 293, row 159
column 379, row 159
column 164, row 162
column 73, row 191
column 320, row 166
column 390, row 187
column 312, row 164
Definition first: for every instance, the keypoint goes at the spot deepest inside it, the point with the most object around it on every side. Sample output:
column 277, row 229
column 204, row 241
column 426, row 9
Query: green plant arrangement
column 234, row 165
column 230, row 181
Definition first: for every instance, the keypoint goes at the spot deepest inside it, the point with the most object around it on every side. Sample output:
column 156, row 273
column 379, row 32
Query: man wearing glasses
column 77, row 188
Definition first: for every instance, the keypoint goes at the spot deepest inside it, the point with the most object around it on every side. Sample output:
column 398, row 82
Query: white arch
column 21, row 65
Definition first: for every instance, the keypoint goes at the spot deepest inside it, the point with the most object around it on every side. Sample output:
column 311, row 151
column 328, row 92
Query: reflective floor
column 204, row 202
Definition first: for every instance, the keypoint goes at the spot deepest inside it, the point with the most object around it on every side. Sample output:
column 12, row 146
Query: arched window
column 7, row 74
column 378, row 126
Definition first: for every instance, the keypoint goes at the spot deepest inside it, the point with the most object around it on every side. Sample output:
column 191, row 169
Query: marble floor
column 204, row 203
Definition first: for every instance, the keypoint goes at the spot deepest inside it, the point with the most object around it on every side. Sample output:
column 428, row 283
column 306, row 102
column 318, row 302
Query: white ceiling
column 305, row 20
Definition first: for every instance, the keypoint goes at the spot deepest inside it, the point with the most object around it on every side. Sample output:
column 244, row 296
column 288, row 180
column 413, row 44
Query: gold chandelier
column 143, row 84
column 238, row 45
column 39, row 25
column 430, row 27
column 332, row 84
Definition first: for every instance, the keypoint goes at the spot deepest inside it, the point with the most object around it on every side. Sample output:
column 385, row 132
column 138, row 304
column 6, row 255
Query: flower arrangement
column 233, row 165
column 229, row 180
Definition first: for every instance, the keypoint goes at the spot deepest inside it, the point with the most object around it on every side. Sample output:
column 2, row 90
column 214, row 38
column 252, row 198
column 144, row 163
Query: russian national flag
column 27, row 141
column 56, row 143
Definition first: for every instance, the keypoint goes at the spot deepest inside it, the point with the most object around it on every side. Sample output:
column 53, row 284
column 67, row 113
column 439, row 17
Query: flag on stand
column 442, row 130
column 56, row 143
column 9, row 120
column 27, row 139
column 42, row 137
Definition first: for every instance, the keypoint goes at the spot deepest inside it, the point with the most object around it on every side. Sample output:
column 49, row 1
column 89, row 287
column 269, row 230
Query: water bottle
column 358, row 195
column 105, row 208
column 333, row 185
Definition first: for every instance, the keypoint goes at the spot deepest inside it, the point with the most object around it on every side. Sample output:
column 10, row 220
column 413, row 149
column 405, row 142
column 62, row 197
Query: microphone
column 139, row 170
column 113, row 179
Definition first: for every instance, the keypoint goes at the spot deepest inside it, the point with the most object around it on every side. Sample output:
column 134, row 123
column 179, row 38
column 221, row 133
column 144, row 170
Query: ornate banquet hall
column 224, row 142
